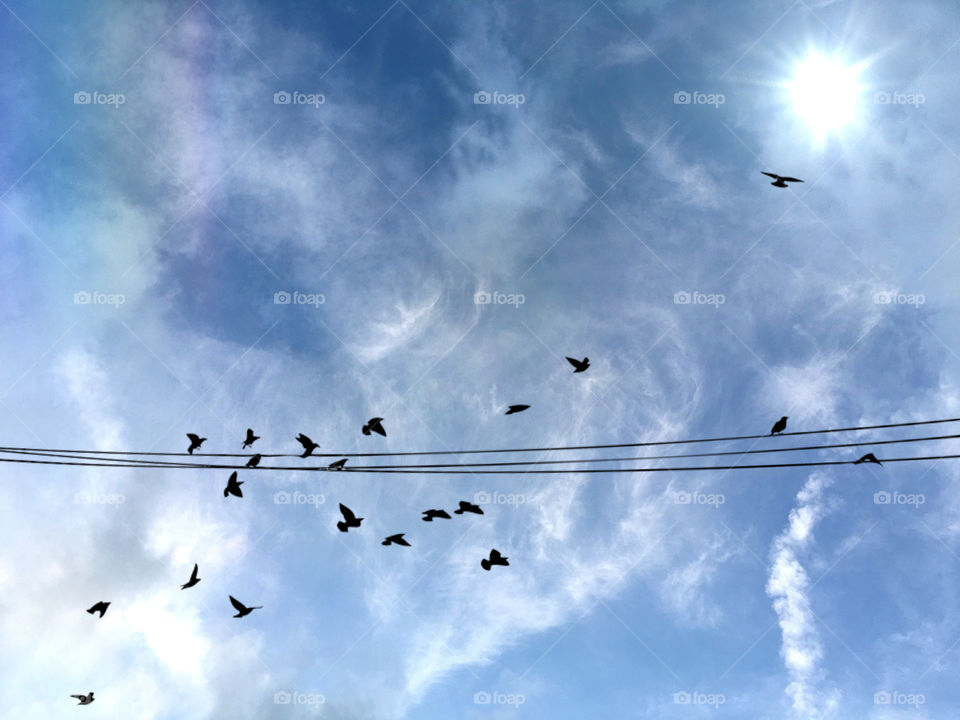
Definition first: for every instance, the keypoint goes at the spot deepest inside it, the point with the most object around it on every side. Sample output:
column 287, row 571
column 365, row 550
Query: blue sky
column 595, row 204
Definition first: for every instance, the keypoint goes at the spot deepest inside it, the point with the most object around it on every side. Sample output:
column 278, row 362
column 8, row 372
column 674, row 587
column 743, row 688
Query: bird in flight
column 337, row 464
column 84, row 699
column 779, row 426
column 374, row 425
column 251, row 439
column 868, row 458
column 195, row 442
column 254, row 461
column 308, row 445
column 349, row 519
column 100, row 607
column 395, row 540
column 495, row 559
column 468, row 507
column 579, row 365
column 781, row 180
column 233, row 486
column 241, row 608
column 515, row 409
column 193, row 578
column 429, row 515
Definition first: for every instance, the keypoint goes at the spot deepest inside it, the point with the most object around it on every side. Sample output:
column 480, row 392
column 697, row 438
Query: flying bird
column 515, row 409
column 781, row 180
column 374, row 425
column 495, row 559
column 254, row 461
column 251, row 439
column 779, row 426
column 395, row 540
column 100, row 607
column 868, row 458
column 241, row 608
column 84, row 699
column 337, row 464
column 193, row 578
column 233, row 486
column 195, row 442
column 308, row 445
column 349, row 519
column 579, row 365
column 468, row 507
column 429, row 515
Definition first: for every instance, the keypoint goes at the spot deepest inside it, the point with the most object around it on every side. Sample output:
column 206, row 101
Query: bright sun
column 825, row 93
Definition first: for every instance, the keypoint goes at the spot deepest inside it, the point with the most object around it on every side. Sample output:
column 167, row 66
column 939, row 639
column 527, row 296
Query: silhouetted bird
column 779, row 426
column 338, row 464
column 308, row 445
column 396, row 540
column 349, row 519
column 195, row 442
column 254, row 461
column 579, row 365
column 241, row 608
column 429, row 515
column 100, row 607
column 374, row 426
column 495, row 559
column 515, row 409
column 781, row 180
column 84, row 699
column 193, row 578
column 468, row 507
column 868, row 458
column 233, row 486
column 251, row 439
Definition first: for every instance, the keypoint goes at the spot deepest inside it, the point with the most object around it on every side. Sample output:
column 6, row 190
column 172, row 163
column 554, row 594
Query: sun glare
column 825, row 93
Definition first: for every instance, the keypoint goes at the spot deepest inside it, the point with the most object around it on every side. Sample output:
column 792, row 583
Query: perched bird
column 241, row 608
column 254, row 461
column 868, row 458
column 515, row 409
column 84, row 699
column 233, row 486
column 395, row 540
column 468, row 507
column 308, row 445
column 349, row 519
column 495, row 559
column 195, row 442
column 251, row 439
column 429, row 515
column 193, row 578
column 579, row 365
column 781, row 180
column 100, row 607
column 374, row 425
column 337, row 464
column 779, row 426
